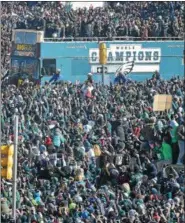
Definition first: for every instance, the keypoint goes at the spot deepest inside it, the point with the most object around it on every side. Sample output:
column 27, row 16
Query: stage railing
column 117, row 38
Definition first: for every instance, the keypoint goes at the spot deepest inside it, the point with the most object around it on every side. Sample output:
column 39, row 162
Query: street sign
column 99, row 70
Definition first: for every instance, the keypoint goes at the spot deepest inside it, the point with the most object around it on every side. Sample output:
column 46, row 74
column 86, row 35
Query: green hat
column 122, row 213
column 72, row 206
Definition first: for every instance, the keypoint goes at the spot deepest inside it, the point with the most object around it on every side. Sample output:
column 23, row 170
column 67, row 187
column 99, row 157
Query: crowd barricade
column 116, row 38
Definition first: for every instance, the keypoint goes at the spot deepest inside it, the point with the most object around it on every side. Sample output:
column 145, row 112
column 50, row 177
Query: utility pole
column 15, row 168
column 103, row 74
column 0, row 125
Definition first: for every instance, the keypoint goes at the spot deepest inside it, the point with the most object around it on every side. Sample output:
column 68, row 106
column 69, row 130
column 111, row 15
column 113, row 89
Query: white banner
column 145, row 59
column 136, row 69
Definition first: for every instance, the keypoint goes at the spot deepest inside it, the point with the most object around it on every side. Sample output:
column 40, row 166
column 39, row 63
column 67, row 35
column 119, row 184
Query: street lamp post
column 15, row 168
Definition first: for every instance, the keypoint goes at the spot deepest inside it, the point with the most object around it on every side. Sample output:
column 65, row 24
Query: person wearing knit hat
column 89, row 78
column 156, row 217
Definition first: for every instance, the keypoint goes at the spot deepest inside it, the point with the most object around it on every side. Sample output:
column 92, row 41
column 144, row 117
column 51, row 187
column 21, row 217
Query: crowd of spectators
column 88, row 152
column 57, row 19
column 136, row 19
column 93, row 153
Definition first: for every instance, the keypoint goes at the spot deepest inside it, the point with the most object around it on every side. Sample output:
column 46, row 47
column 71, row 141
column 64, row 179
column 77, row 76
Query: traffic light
column 102, row 53
column 7, row 152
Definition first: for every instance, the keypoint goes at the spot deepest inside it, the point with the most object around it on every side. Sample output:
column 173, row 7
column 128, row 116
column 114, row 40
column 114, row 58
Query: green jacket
column 166, row 151
column 174, row 135
column 157, row 151
column 145, row 115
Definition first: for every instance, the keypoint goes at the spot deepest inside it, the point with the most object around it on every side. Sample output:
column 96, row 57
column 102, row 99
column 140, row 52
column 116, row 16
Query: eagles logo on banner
column 126, row 68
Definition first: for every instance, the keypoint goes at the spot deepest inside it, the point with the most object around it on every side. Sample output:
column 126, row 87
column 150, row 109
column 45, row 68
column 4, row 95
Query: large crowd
column 57, row 19
column 93, row 153
column 87, row 152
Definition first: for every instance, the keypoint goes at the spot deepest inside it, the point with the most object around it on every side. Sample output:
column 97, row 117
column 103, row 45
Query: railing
column 118, row 38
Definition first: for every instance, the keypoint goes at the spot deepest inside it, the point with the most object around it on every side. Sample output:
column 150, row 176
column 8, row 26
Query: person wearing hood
column 151, row 170
column 118, row 129
column 55, row 76
column 181, row 140
column 58, row 138
column 89, row 78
